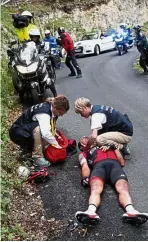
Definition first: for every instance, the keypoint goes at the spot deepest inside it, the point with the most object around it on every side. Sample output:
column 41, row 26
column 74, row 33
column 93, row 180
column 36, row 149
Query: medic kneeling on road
column 35, row 129
column 106, row 163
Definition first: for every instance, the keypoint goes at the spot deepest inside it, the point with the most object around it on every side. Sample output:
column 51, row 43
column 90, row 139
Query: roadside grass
column 9, row 104
column 145, row 28
column 11, row 228
column 9, row 180
column 137, row 67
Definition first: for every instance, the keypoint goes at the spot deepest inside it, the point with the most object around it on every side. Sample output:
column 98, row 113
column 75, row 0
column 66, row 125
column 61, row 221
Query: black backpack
column 19, row 21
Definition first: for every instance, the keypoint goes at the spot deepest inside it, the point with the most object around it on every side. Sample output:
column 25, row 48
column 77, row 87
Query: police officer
column 67, row 43
column 54, row 55
column 50, row 39
column 34, row 35
column 23, row 33
column 35, row 128
column 142, row 46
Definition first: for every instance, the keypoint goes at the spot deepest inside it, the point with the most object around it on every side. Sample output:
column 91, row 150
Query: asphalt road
column 107, row 79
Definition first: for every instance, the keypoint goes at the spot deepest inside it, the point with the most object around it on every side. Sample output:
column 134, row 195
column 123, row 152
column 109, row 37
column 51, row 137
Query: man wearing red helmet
column 67, row 43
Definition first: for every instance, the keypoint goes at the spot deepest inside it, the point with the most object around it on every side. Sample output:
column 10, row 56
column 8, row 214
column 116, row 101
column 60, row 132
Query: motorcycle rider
column 130, row 35
column 23, row 24
column 124, row 33
column 67, row 43
column 50, row 39
column 123, row 28
column 52, row 44
column 35, row 128
column 34, row 35
column 142, row 46
column 23, row 33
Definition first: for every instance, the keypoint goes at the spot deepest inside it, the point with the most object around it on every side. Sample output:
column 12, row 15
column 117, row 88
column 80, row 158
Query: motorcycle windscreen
column 28, row 53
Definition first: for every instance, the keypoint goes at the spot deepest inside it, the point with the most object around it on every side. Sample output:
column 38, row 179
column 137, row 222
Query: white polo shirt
column 45, row 127
column 97, row 119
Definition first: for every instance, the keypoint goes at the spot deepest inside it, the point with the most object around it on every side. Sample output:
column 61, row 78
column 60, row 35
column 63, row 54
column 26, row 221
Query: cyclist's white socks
column 92, row 208
column 129, row 208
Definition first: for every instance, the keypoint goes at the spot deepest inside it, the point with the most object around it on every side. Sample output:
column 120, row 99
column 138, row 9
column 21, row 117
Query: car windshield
column 90, row 36
column 28, row 53
column 110, row 32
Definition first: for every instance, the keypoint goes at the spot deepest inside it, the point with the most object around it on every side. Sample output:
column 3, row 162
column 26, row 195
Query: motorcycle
column 56, row 55
column 50, row 64
column 131, row 40
column 54, row 58
column 30, row 72
column 121, row 44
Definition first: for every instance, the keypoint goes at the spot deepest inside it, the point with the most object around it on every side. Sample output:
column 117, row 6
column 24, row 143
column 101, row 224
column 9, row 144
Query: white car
column 93, row 44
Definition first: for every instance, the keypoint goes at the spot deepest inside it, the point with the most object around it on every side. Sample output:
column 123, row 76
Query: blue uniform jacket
column 52, row 41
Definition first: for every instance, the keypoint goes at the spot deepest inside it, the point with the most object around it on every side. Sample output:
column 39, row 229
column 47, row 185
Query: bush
column 8, row 101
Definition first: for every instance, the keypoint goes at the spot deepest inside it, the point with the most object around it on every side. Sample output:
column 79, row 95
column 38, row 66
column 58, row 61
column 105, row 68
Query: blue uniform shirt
column 52, row 41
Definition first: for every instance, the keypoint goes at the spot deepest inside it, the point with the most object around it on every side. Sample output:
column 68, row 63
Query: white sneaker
column 87, row 217
column 135, row 217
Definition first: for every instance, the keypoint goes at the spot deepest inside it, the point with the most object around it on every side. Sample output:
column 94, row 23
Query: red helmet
column 38, row 175
column 55, row 155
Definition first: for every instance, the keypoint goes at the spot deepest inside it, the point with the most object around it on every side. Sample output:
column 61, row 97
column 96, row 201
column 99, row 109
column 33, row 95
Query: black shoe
column 25, row 154
column 126, row 152
column 145, row 73
column 125, row 115
column 53, row 89
column 79, row 75
column 135, row 218
column 72, row 74
column 87, row 218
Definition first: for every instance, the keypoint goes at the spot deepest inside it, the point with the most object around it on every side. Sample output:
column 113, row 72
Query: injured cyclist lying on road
column 101, row 165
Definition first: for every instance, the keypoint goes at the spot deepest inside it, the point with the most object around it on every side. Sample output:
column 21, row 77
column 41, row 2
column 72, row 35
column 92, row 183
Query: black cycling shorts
column 110, row 171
